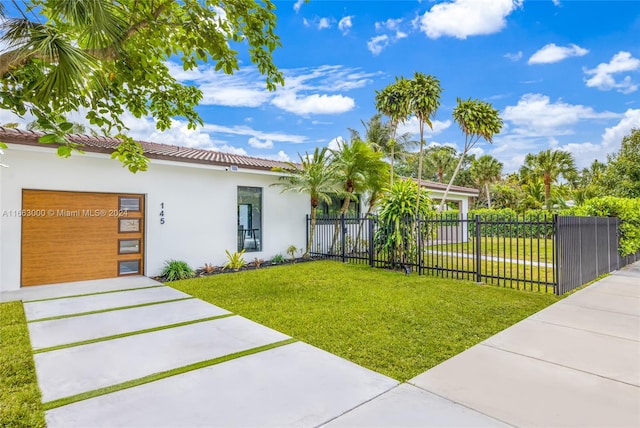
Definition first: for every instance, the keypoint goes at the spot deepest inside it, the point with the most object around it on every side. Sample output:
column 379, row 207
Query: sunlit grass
column 399, row 325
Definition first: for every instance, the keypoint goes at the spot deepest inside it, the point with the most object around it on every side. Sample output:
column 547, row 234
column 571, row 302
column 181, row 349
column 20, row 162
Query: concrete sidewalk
column 573, row 364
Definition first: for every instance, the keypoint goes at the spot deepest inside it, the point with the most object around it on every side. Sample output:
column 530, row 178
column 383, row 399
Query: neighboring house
column 457, row 194
column 87, row 217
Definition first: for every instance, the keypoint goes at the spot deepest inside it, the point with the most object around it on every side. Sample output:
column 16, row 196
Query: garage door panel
column 76, row 239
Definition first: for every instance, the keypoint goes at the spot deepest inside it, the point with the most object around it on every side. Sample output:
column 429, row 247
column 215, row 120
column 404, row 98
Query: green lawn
column 20, row 404
column 394, row 324
column 505, row 247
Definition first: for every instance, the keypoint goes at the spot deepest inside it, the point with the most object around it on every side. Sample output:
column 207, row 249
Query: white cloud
column 551, row 53
column 556, row 2
column 345, row 24
column 313, row 104
column 514, row 56
column 306, row 22
column 377, row 44
column 260, row 144
column 612, row 137
column 324, row 23
column 232, row 150
column 463, row 18
column 336, row 143
column 280, row 156
column 602, row 76
column 536, row 115
column 389, row 24
column 297, row 5
column 412, row 127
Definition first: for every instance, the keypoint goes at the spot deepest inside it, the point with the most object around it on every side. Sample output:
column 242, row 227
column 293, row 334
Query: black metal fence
column 550, row 254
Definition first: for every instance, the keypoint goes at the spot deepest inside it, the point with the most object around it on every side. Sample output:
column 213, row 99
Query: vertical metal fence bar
column 478, row 250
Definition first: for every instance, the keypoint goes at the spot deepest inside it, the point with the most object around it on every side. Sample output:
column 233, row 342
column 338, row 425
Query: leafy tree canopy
column 622, row 175
column 103, row 58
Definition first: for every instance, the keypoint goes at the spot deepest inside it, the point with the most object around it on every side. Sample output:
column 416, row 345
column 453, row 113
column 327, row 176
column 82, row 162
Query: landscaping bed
column 398, row 325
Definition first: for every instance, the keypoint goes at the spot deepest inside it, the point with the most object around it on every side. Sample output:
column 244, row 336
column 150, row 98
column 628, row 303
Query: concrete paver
column 408, row 406
column 73, row 288
column 79, row 369
column 605, row 301
column 295, row 385
column 96, row 302
column 524, row 391
column 571, row 347
column 598, row 321
column 62, row 331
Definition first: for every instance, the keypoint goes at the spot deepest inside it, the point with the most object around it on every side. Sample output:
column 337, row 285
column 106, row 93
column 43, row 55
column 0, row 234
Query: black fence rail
column 548, row 254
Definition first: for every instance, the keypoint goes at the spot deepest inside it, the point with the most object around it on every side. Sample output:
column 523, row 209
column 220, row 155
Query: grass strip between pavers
column 92, row 294
column 131, row 333
column 162, row 375
column 119, row 308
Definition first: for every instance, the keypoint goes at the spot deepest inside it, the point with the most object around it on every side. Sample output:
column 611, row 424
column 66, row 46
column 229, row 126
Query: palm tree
column 485, row 170
column 378, row 134
column 313, row 175
column 423, row 101
column 355, row 164
column 548, row 165
column 477, row 119
column 392, row 102
column 440, row 158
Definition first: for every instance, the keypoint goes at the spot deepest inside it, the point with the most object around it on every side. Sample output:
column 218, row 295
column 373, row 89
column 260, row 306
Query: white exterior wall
column 200, row 206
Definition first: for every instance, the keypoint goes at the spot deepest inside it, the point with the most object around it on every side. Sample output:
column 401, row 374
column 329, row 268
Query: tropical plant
column 477, row 119
column 392, row 102
column 258, row 262
column 622, row 176
column 291, row 251
column 235, row 260
column 548, row 166
column 379, row 135
column 397, row 233
column 106, row 58
column 175, row 270
column 355, row 164
column 423, row 99
column 313, row 175
column 485, row 170
column 277, row 259
column 441, row 159
column 209, row 268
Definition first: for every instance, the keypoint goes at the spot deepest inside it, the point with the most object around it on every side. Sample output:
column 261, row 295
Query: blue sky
column 563, row 74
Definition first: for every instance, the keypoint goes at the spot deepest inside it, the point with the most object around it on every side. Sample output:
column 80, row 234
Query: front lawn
column 394, row 324
column 20, row 404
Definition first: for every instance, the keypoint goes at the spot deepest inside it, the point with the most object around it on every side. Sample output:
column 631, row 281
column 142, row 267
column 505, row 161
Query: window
column 128, row 267
column 128, row 246
column 333, row 210
column 129, row 203
column 249, row 219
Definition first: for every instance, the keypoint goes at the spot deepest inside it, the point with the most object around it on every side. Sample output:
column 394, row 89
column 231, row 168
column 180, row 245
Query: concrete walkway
column 102, row 360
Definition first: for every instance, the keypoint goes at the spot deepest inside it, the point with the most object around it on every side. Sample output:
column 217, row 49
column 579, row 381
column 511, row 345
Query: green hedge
column 508, row 223
column 626, row 209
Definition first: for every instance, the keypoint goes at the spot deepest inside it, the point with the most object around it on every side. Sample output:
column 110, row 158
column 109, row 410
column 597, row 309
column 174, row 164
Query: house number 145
column 161, row 212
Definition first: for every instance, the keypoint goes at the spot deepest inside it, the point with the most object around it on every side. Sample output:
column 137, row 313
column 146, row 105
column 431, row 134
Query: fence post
column 343, row 231
column 556, row 256
column 371, row 249
column 420, row 253
column 478, row 250
column 306, row 244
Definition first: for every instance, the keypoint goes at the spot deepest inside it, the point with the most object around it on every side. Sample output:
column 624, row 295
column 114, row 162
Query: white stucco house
column 87, row 217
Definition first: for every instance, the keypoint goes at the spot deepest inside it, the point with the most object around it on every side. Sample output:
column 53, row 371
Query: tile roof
column 151, row 150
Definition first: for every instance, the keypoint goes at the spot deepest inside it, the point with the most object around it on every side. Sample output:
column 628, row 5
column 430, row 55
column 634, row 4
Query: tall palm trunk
column 312, row 229
column 486, row 188
column 343, row 211
column 453, row 177
column 547, row 189
column 420, row 166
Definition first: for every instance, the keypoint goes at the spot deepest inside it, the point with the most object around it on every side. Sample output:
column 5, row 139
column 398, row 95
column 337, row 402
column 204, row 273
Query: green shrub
column 175, row 270
column 291, row 251
column 626, row 209
column 235, row 260
column 507, row 222
column 277, row 259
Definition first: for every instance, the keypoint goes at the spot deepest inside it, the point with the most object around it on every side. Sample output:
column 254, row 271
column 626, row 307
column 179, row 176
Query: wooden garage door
column 77, row 236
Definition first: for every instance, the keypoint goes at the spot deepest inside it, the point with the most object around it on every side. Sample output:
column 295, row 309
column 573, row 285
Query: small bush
column 208, row 268
column 175, row 270
column 235, row 260
column 277, row 259
column 291, row 251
